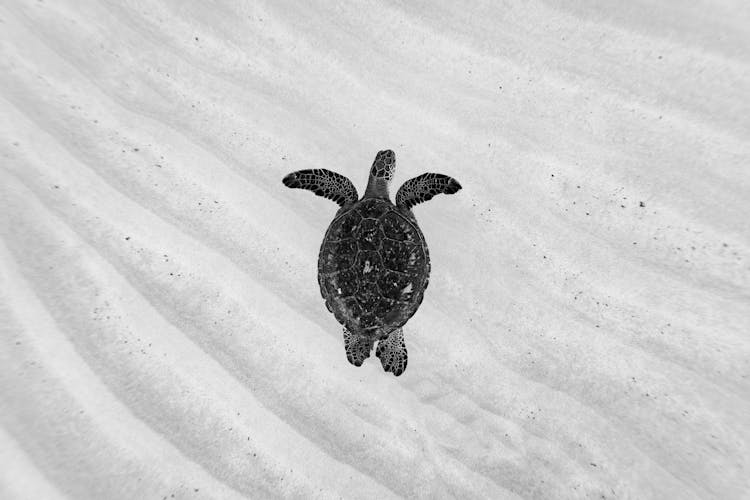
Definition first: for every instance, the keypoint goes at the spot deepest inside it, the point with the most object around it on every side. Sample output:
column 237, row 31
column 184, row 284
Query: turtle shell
column 373, row 267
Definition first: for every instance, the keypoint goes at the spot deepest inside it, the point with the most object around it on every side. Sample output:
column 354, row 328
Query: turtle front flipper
column 423, row 188
column 324, row 183
column 358, row 347
column 392, row 352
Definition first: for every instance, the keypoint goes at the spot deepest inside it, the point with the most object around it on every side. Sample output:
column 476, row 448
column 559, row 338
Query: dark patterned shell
column 373, row 267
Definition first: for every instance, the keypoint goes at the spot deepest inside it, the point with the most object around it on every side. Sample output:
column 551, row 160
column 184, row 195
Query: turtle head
column 384, row 165
column 381, row 174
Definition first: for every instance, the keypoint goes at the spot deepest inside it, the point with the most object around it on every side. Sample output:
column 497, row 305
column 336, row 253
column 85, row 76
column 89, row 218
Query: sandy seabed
column 586, row 332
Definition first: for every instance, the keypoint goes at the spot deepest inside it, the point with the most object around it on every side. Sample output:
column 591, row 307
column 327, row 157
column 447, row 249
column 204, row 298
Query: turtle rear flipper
column 392, row 352
column 325, row 183
column 358, row 347
column 423, row 188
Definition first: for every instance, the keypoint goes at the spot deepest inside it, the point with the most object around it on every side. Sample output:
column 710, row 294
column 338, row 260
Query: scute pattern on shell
column 373, row 267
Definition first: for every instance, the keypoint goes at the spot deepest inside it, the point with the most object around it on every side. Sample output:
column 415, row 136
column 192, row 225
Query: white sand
column 586, row 332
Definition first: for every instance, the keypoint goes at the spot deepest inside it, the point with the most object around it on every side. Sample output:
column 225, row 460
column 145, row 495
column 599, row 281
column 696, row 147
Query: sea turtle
column 373, row 266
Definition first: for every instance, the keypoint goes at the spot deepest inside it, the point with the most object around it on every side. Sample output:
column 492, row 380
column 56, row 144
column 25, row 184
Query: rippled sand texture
column 586, row 329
